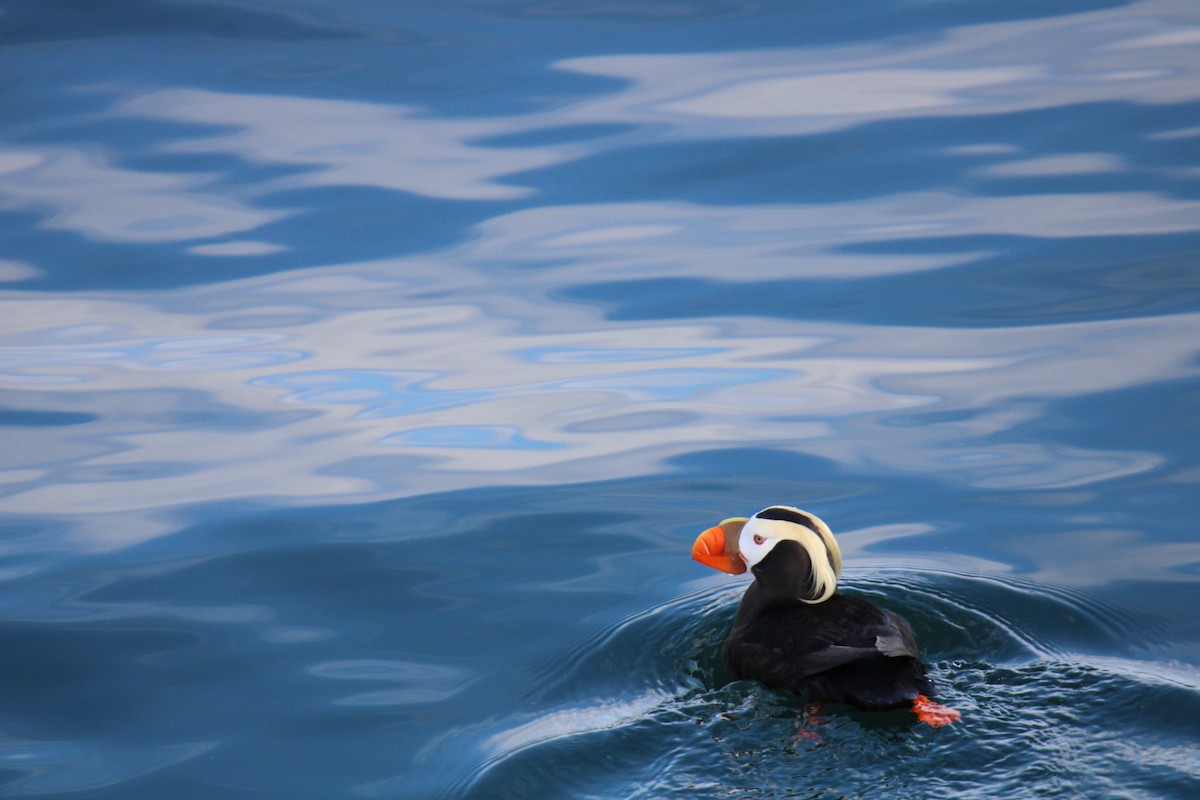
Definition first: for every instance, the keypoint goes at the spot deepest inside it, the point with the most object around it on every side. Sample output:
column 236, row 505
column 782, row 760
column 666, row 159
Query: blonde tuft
column 820, row 554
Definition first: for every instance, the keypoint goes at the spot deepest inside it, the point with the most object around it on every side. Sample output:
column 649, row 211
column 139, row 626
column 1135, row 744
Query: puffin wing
column 827, row 658
column 802, row 642
column 896, row 640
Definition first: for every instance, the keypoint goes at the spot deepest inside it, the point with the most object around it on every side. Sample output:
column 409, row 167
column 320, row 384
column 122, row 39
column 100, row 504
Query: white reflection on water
column 15, row 271
column 1112, row 556
column 88, row 193
column 1071, row 164
column 1143, row 53
column 412, row 682
column 237, row 248
column 849, row 94
column 287, row 386
column 599, row 716
column 780, row 241
column 464, row 390
column 346, row 143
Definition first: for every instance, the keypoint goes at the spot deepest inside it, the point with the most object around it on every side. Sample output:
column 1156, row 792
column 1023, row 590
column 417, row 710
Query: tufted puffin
column 795, row 631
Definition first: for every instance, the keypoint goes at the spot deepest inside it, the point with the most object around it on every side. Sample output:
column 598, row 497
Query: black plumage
column 845, row 649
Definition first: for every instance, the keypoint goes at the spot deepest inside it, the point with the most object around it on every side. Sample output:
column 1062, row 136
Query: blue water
column 368, row 368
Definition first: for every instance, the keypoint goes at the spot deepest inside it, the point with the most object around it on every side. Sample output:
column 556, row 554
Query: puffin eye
column 758, row 539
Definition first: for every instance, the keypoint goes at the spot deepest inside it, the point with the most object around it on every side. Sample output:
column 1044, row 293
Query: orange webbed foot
column 811, row 716
column 934, row 714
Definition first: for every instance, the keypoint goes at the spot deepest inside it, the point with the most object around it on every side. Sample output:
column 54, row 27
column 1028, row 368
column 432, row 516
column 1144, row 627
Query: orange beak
column 717, row 547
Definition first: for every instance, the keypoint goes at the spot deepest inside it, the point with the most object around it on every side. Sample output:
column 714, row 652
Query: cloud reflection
column 87, row 192
column 348, row 143
column 464, row 367
column 791, row 241
column 478, row 397
column 1072, row 164
column 412, row 682
column 1141, row 54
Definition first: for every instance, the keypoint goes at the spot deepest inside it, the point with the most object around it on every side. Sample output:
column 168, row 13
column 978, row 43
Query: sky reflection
column 480, row 361
column 1143, row 53
column 367, row 368
column 481, row 393
column 343, row 143
column 809, row 241
column 88, row 193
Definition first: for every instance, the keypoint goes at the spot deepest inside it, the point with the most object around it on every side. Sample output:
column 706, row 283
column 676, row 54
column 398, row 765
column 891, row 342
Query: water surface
column 366, row 371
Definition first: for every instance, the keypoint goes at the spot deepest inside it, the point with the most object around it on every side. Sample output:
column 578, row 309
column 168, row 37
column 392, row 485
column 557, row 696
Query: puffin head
column 781, row 544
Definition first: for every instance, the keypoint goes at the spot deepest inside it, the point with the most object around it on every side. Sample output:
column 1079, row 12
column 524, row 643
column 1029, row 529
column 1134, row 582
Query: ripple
column 52, row 767
column 415, row 682
column 626, row 719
